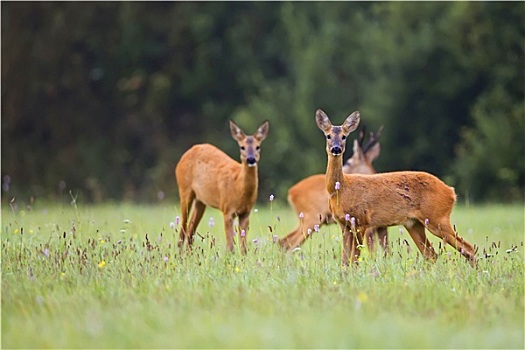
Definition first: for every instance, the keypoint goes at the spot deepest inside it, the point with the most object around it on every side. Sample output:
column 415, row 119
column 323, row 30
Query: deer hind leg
column 300, row 234
column 417, row 232
column 444, row 230
column 186, row 201
column 196, row 216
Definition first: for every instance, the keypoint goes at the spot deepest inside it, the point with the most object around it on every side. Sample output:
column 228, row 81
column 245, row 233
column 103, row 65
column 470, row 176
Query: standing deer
column 413, row 199
column 310, row 198
column 207, row 176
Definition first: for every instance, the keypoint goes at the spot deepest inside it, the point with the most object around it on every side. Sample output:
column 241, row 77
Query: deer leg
column 371, row 235
column 348, row 238
column 300, row 234
column 443, row 229
column 382, row 237
column 417, row 232
column 196, row 216
column 186, row 201
column 244, row 223
column 228, row 229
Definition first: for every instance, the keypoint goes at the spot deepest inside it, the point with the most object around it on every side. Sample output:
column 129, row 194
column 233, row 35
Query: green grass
column 110, row 276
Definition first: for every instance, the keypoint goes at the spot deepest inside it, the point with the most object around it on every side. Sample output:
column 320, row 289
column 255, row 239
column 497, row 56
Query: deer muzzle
column 336, row 151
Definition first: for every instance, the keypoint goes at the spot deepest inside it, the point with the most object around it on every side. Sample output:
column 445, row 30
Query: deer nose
column 336, row 150
column 251, row 161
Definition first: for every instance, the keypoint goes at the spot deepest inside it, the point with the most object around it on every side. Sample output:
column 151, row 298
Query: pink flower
column 316, row 228
column 337, row 185
column 243, row 233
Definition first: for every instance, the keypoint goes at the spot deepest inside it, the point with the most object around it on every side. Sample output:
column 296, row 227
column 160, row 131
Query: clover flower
column 337, row 185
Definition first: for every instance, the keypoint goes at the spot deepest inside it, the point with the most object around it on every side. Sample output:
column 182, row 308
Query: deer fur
column 310, row 198
column 414, row 199
column 207, row 176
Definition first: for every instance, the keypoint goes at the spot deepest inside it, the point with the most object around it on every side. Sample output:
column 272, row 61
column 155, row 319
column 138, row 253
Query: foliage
column 110, row 276
column 103, row 98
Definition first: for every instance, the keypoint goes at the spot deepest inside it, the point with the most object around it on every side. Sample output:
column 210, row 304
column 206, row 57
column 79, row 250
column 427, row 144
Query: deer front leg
column 244, row 223
column 228, row 229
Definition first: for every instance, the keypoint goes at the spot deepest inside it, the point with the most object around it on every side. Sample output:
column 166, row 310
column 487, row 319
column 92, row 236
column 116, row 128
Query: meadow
column 111, row 276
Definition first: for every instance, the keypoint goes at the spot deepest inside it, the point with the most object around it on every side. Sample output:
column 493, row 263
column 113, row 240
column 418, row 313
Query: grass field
column 110, row 276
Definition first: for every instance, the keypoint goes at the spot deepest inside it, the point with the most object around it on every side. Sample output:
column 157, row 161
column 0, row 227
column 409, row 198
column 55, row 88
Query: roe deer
column 207, row 176
column 310, row 198
column 413, row 199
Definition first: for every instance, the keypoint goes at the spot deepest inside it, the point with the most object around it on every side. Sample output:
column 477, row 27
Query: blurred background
column 102, row 98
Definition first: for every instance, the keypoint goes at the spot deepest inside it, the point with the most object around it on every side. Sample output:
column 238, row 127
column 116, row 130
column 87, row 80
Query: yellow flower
column 31, row 231
column 363, row 298
column 16, row 231
column 101, row 264
column 237, row 269
column 102, row 241
column 335, row 283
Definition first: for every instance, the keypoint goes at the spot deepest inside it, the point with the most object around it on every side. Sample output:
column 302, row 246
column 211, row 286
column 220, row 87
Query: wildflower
column 255, row 240
column 335, row 283
column 165, row 259
column 31, row 231
column 316, row 228
column 362, row 297
column 309, row 232
column 237, row 269
column 301, row 215
column 16, row 231
column 177, row 219
column 211, row 222
column 271, row 198
column 347, row 217
column 46, row 253
column 337, row 185
column 172, row 225
column 255, row 210
column 243, row 233
column 275, row 238
column 102, row 241
column 352, row 222
column 101, row 264
column 426, row 222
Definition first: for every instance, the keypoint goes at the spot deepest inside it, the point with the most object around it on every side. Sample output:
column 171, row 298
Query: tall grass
column 110, row 276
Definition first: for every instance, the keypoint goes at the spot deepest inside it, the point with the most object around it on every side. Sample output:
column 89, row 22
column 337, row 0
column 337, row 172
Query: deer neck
column 249, row 180
column 334, row 173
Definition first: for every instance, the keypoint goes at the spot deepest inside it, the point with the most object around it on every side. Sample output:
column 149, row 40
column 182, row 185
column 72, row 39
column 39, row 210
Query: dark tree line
column 103, row 98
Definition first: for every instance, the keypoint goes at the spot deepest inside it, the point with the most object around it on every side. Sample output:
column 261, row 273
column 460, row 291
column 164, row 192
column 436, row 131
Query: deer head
column 250, row 146
column 336, row 136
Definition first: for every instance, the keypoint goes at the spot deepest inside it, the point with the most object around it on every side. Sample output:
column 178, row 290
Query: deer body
column 309, row 197
column 207, row 176
column 416, row 200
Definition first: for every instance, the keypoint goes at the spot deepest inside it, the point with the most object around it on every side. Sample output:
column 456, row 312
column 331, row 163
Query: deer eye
column 344, row 137
column 258, row 148
column 328, row 137
column 243, row 148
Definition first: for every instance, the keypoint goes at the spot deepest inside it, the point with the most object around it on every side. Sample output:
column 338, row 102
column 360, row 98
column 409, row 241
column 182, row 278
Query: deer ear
column 262, row 132
column 358, row 151
column 322, row 120
column 351, row 122
column 373, row 152
column 236, row 132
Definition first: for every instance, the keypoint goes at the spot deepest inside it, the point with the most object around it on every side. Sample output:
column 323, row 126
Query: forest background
column 102, row 98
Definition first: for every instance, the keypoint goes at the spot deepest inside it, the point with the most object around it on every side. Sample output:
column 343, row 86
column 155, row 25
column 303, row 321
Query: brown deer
column 310, row 198
column 414, row 199
column 207, row 176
